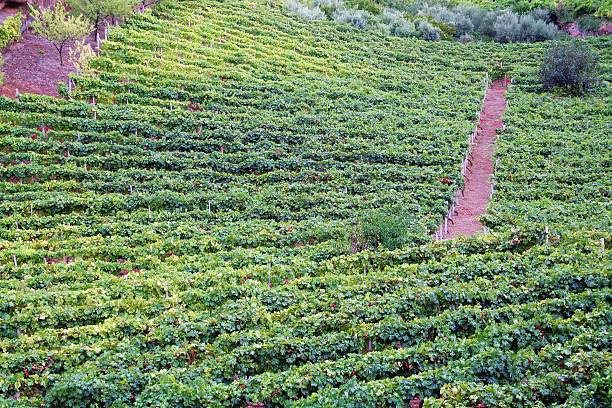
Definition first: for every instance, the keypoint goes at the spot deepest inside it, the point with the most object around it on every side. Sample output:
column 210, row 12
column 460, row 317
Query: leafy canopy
column 98, row 10
column 57, row 26
column 571, row 67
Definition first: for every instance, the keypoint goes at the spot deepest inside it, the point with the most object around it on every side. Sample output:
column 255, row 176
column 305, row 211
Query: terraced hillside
column 176, row 232
column 554, row 155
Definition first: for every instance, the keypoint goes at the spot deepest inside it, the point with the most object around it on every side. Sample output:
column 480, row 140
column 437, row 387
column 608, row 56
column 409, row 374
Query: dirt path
column 477, row 180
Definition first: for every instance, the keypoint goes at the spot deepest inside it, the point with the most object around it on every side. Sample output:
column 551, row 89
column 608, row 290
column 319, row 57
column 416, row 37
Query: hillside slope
column 176, row 233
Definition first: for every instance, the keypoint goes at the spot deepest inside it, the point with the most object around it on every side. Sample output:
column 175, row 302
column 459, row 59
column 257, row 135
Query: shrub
column 328, row 7
column 368, row 5
column 379, row 228
column 541, row 14
column 533, row 30
column 304, row 11
column 482, row 20
column 509, row 27
column 447, row 30
column 571, row 67
column 428, row 32
column 10, row 30
column 397, row 24
column 357, row 18
column 455, row 18
column 589, row 23
column 465, row 38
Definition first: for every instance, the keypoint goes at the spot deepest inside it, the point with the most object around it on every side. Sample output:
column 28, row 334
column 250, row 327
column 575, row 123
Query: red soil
column 573, row 30
column 8, row 11
column 477, row 180
column 32, row 66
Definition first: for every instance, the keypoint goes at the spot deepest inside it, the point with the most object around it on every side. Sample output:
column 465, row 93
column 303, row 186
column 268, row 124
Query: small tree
column 58, row 27
column 572, row 67
column 98, row 10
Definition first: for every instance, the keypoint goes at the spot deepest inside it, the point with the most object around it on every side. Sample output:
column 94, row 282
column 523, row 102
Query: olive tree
column 571, row 67
column 58, row 27
column 97, row 11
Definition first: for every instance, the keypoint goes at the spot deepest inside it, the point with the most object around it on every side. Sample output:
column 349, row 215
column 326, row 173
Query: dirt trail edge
column 476, row 192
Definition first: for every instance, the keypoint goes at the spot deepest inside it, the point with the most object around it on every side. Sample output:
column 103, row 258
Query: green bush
column 10, row 30
column 381, row 228
column 510, row 27
column 571, row 67
column 582, row 7
column 589, row 23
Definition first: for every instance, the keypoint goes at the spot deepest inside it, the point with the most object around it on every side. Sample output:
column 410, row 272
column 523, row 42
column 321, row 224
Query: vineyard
column 552, row 162
column 176, row 230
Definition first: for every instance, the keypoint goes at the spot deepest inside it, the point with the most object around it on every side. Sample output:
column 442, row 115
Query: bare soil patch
column 32, row 66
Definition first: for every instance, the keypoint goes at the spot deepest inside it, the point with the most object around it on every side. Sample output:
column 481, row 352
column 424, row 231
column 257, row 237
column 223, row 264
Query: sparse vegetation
column 58, row 27
column 80, row 56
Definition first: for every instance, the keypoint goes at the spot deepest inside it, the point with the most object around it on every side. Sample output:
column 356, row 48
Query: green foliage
column 431, row 20
column 371, row 6
column 80, row 56
column 600, row 8
column 448, row 31
column 182, row 241
column 97, row 11
column 428, row 31
column 10, row 30
column 552, row 158
column 589, row 23
column 571, row 67
column 381, row 228
column 573, row 8
column 58, row 27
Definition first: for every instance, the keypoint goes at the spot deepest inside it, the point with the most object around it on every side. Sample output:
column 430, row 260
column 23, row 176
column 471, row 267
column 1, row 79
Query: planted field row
column 178, row 230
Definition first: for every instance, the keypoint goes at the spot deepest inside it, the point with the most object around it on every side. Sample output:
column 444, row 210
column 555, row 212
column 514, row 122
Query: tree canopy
column 59, row 27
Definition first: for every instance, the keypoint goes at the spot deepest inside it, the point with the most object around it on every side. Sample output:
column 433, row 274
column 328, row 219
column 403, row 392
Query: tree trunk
column 60, row 49
column 97, row 23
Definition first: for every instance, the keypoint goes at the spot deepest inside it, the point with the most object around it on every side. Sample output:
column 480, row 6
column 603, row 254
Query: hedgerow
column 435, row 20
